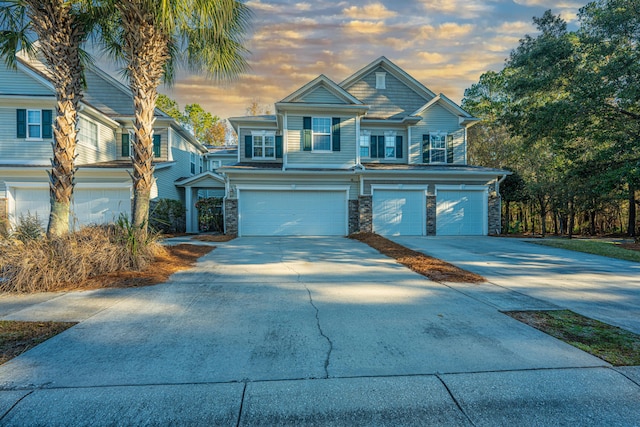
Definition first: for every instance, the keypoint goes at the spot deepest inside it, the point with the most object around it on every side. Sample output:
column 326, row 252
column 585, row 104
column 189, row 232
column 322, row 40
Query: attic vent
column 381, row 80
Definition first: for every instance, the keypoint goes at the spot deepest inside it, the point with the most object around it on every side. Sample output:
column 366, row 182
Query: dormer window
column 381, row 82
column 264, row 144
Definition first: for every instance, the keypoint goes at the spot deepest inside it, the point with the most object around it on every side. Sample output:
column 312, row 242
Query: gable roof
column 393, row 69
column 464, row 117
column 324, row 82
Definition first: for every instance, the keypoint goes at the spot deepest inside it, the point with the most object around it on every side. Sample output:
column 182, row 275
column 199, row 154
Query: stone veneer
column 231, row 216
column 494, row 213
column 431, row 215
column 366, row 216
column 354, row 216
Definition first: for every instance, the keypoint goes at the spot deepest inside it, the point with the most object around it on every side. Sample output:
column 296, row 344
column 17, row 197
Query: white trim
column 97, row 125
column 25, row 163
column 408, row 187
column 263, row 134
column 358, row 138
column 293, row 187
column 319, row 166
column 241, row 144
column 329, row 84
column 285, row 140
column 381, row 80
column 461, row 187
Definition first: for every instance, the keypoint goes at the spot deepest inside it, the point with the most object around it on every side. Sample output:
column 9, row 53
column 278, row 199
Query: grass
column 612, row 344
column 18, row 337
column 433, row 268
column 627, row 252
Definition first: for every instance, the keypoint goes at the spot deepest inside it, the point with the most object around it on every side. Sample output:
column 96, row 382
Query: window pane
column 257, row 151
column 33, row 117
column 321, row 125
column 269, row 141
column 438, row 141
column 322, row 142
column 269, row 152
column 34, row 131
column 438, row 156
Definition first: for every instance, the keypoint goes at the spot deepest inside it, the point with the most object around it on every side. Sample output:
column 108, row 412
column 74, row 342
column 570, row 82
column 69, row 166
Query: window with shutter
column 438, row 148
column 125, row 145
column 157, row 148
column 335, row 138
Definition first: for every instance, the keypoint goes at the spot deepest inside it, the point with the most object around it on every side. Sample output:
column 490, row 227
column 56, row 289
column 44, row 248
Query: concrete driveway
column 302, row 331
column 525, row 275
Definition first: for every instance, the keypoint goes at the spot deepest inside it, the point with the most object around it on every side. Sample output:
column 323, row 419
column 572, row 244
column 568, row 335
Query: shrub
column 28, row 228
column 210, row 217
column 50, row 264
column 168, row 216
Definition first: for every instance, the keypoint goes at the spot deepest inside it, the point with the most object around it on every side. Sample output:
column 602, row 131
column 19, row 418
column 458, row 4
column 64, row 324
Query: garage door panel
column 399, row 212
column 292, row 213
column 460, row 212
column 89, row 205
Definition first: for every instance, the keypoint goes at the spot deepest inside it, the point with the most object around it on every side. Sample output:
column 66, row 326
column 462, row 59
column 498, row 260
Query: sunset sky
column 445, row 44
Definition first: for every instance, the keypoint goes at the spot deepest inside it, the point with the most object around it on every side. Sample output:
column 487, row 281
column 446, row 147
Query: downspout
column 285, row 141
column 224, row 200
column 358, row 164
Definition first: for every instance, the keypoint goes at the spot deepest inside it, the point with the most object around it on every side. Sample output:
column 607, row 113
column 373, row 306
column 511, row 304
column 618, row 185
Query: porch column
column 188, row 205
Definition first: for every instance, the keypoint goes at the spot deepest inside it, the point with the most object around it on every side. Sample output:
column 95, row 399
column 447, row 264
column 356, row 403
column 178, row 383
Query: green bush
column 210, row 216
column 168, row 216
column 28, row 228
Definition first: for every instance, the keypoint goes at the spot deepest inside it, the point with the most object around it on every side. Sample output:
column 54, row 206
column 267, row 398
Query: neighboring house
column 103, row 187
column 378, row 152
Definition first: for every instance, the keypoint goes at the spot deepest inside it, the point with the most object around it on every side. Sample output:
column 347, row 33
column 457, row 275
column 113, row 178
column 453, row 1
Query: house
column 103, row 187
column 377, row 152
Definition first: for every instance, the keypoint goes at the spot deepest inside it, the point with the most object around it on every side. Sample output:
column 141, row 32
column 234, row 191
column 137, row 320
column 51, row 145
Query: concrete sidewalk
column 288, row 331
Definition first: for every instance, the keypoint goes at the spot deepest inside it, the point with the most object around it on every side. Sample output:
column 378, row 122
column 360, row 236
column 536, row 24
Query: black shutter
column 373, row 146
column 381, row 150
column 398, row 146
column 47, row 129
column 426, row 145
column 278, row 146
column 22, row 123
column 125, row 145
column 307, row 133
column 248, row 146
column 157, row 150
column 335, row 129
column 449, row 148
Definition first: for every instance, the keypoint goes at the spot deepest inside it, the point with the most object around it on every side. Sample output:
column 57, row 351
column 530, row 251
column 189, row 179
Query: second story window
column 34, row 124
column 438, row 147
column 389, row 145
column 365, row 139
column 264, row 145
column 192, row 158
column 321, row 127
column 88, row 134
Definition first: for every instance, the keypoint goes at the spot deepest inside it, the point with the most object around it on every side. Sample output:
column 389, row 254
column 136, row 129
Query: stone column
column 431, row 215
column 354, row 216
column 231, row 216
column 366, row 216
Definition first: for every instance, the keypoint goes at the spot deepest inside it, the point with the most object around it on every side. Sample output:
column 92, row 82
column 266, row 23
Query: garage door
column 461, row 212
column 399, row 212
column 31, row 201
column 90, row 206
column 292, row 213
column 99, row 206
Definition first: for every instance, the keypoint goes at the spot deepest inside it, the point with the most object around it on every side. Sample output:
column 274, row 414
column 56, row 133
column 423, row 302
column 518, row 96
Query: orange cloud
column 372, row 11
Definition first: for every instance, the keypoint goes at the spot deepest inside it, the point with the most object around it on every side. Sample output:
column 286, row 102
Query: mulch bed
column 177, row 258
column 433, row 268
column 214, row 237
column 18, row 337
column 631, row 246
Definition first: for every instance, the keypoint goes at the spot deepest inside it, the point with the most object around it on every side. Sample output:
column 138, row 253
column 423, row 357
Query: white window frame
column 365, row 142
column 39, row 124
column 432, row 149
column 390, row 143
column 214, row 164
column 192, row 161
column 262, row 145
column 324, row 134
column 82, row 136
column 381, row 80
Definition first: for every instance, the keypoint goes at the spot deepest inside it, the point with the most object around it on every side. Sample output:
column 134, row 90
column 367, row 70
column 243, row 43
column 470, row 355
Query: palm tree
column 152, row 37
column 60, row 27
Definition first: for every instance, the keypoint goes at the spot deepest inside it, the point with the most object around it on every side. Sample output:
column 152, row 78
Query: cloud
column 446, row 31
column 365, row 27
column 466, row 9
column 372, row 11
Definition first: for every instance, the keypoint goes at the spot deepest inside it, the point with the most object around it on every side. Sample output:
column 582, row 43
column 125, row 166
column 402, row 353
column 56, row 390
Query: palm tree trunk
column 146, row 53
column 60, row 37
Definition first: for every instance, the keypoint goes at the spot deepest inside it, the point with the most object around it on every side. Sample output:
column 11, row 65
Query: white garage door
column 399, row 212
column 461, row 212
column 90, row 206
column 99, row 206
column 31, row 201
column 292, row 213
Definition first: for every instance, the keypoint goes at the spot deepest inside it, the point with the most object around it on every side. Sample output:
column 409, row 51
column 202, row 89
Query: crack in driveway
column 327, row 359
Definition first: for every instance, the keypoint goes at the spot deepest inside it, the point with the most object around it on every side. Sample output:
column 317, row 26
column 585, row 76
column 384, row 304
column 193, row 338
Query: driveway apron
column 293, row 331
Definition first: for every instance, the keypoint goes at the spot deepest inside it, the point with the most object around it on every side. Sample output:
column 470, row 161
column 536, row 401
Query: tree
column 255, row 108
column 60, row 28
column 207, row 128
column 170, row 106
column 151, row 37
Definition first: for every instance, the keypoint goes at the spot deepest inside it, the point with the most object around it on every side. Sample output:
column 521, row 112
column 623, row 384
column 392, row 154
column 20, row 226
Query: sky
column 444, row 44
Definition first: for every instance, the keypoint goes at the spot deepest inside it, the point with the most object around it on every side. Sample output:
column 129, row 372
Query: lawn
column 625, row 251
